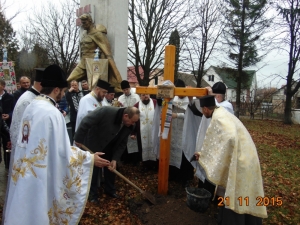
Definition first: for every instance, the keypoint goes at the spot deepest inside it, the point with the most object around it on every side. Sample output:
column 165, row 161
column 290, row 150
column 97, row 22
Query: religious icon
column 96, row 68
column 6, row 74
column 25, row 132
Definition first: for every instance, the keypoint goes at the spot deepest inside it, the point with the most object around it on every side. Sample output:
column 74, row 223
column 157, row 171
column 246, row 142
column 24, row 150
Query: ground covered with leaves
column 278, row 147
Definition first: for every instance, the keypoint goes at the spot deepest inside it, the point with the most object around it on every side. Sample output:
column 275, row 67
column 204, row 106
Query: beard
column 145, row 102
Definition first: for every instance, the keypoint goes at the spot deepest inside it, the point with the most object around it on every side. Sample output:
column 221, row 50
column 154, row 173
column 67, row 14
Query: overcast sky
column 275, row 63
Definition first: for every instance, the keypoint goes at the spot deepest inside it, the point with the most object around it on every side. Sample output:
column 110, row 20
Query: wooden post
column 165, row 144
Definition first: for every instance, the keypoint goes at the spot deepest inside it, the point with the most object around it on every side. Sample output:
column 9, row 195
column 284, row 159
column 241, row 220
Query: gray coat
column 101, row 131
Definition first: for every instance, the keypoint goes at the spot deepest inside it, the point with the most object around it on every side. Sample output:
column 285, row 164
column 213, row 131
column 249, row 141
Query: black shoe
column 95, row 201
column 112, row 195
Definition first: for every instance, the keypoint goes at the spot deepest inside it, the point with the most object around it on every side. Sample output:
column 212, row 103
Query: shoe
column 112, row 195
column 95, row 201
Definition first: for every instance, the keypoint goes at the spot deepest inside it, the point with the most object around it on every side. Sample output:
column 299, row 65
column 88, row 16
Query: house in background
column 131, row 77
column 189, row 79
column 226, row 75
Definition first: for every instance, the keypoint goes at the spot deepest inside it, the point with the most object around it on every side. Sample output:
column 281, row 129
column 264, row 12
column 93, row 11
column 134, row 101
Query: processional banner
column 7, row 73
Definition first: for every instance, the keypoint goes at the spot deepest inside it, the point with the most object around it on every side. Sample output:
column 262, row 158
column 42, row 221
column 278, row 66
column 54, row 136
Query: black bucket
column 198, row 199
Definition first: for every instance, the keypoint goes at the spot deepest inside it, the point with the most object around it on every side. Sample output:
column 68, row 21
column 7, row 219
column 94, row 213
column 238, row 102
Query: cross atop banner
column 164, row 157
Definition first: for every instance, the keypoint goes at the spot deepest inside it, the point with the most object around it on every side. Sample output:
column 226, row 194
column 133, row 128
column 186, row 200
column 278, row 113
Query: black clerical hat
column 111, row 90
column 125, row 84
column 54, row 76
column 179, row 83
column 207, row 101
column 103, row 84
column 219, row 88
column 39, row 74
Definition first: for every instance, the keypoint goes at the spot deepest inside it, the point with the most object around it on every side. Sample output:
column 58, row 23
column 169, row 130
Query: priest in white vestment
column 128, row 98
column 143, row 131
column 92, row 100
column 50, row 179
column 109, row 97
column 20, row 107
column 230, row 161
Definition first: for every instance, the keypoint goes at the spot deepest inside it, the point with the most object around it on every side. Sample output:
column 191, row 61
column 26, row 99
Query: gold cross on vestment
column 164, row 157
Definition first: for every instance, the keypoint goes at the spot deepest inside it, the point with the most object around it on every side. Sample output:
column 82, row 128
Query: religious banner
column 7, row 73
column 96, row 70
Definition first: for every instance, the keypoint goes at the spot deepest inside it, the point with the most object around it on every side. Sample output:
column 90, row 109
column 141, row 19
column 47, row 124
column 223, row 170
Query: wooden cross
column 164, row 157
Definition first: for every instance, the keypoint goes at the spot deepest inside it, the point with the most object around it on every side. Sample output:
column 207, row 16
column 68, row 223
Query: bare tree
column 201, row 41
column 150, row 25
column 289, row 10
column 54, row 29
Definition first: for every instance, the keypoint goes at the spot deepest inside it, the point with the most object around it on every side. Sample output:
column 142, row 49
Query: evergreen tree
column 175, row 40
column 245, row 24
column 8, row 38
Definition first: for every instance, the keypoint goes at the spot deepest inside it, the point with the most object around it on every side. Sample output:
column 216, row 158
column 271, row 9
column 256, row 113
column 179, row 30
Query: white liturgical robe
column 87, row 104
column 50, row 179
column 19, row 109
column 129, row 100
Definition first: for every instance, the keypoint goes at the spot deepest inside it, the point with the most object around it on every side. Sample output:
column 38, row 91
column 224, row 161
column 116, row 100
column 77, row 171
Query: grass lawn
column 278, row 147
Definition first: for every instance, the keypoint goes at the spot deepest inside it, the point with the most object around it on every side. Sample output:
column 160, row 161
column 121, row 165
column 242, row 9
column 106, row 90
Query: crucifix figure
column 164, row 157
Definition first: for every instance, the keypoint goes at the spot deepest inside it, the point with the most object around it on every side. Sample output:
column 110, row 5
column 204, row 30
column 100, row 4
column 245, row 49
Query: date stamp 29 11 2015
column 260, row 201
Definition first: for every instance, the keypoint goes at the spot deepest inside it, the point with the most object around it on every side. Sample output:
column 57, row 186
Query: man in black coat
column 25, row 85
column 7, row 104
column 73, row 97
column 106, row 130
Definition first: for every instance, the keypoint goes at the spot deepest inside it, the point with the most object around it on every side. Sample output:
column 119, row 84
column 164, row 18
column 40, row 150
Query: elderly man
column 93, row 37
column 230, row 161
column 91, row 101
column 106, row 129
column 55, row 184
column 24, row 86
column 127, row 98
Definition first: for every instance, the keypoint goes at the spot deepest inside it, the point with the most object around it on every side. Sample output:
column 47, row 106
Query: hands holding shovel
column 98, row 161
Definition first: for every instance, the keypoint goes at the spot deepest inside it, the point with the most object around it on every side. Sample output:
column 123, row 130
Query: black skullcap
column 111, row 90
column 207, row 101
column 125, row 84
column 54, row 76
column 39, row 74
column 103, row 84
column 179, row 83
column 219, row 88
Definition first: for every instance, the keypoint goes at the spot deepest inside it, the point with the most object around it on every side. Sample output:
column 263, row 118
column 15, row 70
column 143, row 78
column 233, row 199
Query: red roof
column 131, row 74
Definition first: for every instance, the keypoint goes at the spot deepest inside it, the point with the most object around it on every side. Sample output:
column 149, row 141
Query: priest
column 127, row 98
column 230, row 161
column 21, row 105
column 109, row 97
column 92, row 100
column 143, row 130
column 49, row 177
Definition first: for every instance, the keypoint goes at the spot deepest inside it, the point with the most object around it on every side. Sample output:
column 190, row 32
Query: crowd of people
column 57, row 177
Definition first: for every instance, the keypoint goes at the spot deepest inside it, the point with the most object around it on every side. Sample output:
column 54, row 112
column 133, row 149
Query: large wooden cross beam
column 164, row 157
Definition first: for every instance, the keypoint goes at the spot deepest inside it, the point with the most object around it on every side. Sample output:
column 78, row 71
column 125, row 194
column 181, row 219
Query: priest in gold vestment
column 230, row 161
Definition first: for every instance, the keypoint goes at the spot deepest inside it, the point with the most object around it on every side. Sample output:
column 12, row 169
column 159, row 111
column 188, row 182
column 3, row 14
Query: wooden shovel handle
column 128, row 181
column 86, row 149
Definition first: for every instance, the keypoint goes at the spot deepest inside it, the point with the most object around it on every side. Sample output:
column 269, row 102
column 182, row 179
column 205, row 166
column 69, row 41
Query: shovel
column 146, row 194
